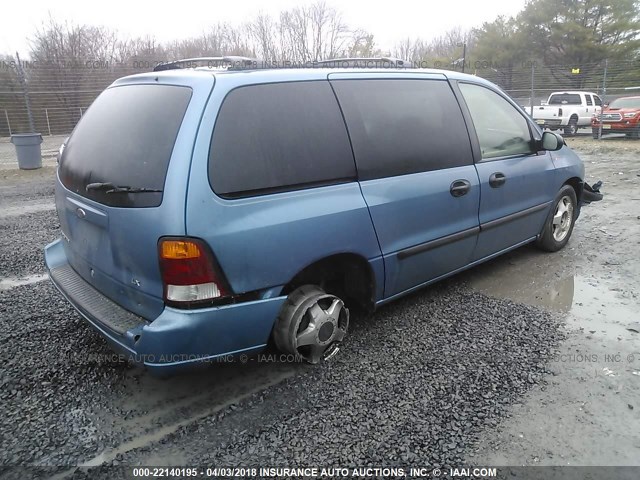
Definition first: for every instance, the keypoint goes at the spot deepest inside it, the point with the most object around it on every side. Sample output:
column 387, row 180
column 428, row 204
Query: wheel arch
column 576, row 183
column 348, row 275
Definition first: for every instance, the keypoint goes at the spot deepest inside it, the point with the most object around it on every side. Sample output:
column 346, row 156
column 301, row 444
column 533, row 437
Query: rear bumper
column 549, row 123
column 177, row 338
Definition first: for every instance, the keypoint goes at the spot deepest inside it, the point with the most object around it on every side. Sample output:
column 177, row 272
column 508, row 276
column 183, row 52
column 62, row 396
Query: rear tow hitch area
column 591, row 193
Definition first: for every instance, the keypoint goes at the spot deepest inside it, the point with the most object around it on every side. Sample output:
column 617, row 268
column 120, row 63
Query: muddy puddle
column 593, row 306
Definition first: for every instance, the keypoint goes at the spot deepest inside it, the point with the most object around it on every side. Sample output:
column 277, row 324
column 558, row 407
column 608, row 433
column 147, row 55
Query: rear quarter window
column 277, row 137
column 126, row 138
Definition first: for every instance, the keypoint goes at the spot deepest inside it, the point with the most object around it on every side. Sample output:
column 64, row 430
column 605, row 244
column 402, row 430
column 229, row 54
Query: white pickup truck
column 568, row 111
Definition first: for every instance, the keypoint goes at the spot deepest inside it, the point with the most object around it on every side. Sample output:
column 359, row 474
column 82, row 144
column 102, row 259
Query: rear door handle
column 460, row 188
column 497, row 179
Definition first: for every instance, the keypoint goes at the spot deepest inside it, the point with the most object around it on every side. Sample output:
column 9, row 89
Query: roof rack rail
column 228, row 60
column 233, row 62
column 367, row 62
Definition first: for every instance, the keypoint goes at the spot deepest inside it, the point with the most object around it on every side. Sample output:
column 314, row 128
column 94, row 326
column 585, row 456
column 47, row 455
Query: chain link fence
column 532, row 83
column 53, row 97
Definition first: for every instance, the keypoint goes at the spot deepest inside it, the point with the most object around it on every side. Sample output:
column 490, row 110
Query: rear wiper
column 111, row 188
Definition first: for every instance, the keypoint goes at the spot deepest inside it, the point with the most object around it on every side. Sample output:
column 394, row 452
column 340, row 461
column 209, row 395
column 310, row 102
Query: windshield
column 125, row 139
column 629, row 102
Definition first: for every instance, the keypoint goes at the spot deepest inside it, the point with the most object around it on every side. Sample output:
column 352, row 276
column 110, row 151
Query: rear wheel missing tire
column 559, row 225
column 311, row 324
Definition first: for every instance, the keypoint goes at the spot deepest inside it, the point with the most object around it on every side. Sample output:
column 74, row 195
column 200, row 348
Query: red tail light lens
column 190, row 273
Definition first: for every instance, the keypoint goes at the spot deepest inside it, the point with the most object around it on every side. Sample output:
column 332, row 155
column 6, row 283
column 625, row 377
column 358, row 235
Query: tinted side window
column 279, row 136
column 597, row 100
column 502, row 130
column 588, row 98
column 399, row 127
column 125, row 138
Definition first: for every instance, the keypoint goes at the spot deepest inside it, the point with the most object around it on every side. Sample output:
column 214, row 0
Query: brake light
column 189, row 272
column 559, row 112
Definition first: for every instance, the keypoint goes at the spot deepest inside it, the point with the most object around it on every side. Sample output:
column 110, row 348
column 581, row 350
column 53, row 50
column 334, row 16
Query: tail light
column 190, row 273
column 559, row 112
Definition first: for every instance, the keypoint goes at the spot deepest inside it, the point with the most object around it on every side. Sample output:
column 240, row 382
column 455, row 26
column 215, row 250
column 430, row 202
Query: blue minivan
column 210, row 211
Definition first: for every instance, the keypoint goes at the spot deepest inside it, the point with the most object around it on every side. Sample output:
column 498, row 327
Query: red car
column 621, row 116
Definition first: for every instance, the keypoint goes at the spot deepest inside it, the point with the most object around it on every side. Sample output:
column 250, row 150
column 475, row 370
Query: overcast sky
column 389, row 21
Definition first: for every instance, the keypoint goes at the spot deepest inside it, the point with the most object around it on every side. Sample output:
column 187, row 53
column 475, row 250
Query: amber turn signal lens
column 179, row 249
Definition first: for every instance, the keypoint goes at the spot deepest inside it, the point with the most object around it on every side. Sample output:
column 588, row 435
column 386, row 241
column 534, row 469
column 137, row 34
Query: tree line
column 566, row 42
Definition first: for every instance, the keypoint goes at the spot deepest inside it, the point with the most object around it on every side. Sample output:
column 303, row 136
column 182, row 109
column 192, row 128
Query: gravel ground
column 418, row 382
column 589, row 413
column 56, row 376
column 23, row 236
column 447, row 360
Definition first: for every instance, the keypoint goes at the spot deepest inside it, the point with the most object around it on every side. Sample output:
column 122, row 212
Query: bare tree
column 443, row 50
column 361, row 44
column 307, row 34
column 72, row 62
column 11, row 96
column 414, row 50
column 140, row 53
column 221, row 39
column 263, row 32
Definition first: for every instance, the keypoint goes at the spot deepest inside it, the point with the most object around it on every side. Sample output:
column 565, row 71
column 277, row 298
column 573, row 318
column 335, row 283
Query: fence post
column 23, row 82
column 46, row 114
column 604, row 93
column 80, row 112
column 6, row 115
column 533, row 66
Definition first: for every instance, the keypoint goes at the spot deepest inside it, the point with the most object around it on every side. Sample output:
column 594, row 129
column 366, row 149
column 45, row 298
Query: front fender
column 568, row 165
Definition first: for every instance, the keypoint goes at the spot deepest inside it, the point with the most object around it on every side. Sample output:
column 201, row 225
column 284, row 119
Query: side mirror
column 551, row 141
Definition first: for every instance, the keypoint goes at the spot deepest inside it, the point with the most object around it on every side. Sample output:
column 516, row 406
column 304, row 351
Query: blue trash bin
column 28, row 150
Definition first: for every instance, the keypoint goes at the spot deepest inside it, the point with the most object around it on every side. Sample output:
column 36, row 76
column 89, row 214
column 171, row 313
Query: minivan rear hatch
column 122, row 184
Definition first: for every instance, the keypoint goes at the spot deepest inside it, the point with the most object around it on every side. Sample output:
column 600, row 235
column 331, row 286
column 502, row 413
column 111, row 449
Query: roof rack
column 231, row 61
column 365, row 62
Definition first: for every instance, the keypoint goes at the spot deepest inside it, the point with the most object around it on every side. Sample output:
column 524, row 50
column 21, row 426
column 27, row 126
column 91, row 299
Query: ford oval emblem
column 80, row 213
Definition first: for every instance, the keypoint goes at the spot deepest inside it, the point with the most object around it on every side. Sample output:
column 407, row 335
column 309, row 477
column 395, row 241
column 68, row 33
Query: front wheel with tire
column 559, row 225
column 311, row 324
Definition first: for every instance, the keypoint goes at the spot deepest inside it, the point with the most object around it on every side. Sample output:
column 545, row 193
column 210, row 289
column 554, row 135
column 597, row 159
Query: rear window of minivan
column 278, row 137
column 125, row 138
